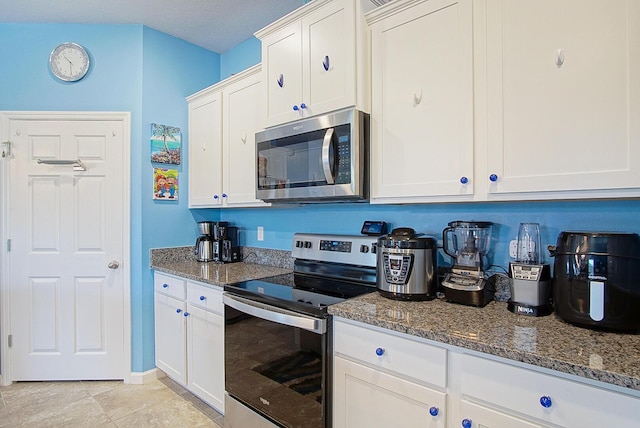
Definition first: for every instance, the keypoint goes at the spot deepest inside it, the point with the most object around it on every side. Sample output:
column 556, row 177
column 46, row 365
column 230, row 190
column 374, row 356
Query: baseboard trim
column 140, row 378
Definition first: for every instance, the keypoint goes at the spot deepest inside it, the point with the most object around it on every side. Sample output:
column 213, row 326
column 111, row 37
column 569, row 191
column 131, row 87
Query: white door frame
column 5, row 309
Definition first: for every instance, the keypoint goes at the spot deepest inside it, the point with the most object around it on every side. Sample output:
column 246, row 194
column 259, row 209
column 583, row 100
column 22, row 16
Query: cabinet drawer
column 169, row 285
column 401, row 355
column 205, row 297
column 520, row 389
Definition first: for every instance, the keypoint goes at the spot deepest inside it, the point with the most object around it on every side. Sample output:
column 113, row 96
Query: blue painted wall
column 240, row 57
column 134, row 69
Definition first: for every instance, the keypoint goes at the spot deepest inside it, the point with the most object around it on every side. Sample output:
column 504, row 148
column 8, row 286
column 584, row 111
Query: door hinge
column 10, row 340
column 8, row 245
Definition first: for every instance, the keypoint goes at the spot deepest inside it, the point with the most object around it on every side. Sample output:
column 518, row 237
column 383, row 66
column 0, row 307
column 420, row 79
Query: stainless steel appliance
column 204, row 248
column 407, row 265
column 596, row 279
column 320, row 159
column 530, row 278
column 278, row 332
column 468, row 243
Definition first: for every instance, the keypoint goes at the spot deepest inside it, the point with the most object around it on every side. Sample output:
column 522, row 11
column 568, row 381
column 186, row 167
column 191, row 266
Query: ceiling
column 217, row 25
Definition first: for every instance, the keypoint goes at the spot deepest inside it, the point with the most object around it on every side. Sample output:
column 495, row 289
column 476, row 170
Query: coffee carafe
column 468, row 243
column 203, row 249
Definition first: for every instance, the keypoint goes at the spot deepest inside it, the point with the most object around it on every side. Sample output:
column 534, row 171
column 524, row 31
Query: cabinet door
column 241, row 117
column 205, row 348
column 170, row 337
column 328, row 52
column 282, row 74
column 422, row 103
column 366, row 397
column 563, row 95
column 205, row 151
column 476, row 416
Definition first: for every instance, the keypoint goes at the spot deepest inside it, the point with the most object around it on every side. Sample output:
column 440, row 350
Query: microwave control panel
column 343, row 170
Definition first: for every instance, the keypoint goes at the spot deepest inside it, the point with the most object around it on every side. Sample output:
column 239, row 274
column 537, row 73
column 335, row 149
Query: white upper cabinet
column 205, row 148
column 315, row 60
column 241, row 117
column 422, row 141
column 563, row 98
column 223, row 120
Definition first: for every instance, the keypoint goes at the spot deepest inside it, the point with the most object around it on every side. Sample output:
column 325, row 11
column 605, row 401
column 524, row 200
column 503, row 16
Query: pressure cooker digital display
column 397, row 267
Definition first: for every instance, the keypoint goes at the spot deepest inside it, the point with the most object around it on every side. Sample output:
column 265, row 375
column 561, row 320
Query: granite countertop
column 219, row 274
column 180, row 261
column 545, row 342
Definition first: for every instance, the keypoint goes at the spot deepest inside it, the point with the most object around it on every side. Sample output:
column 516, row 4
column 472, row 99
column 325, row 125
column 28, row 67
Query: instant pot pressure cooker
column 406, row 265
column 596, row 279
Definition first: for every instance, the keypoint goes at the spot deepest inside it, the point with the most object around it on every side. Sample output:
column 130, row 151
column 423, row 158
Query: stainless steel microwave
column 320, row 159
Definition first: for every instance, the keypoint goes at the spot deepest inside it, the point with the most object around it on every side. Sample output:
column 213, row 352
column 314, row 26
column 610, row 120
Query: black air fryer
column 596, row 280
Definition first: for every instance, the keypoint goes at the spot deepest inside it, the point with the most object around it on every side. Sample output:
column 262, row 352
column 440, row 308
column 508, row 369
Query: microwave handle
column 326, row 166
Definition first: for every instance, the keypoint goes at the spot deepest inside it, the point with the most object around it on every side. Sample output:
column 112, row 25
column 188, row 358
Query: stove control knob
column 374, row 248
column 307, row 244
column 364, row 248
column 298, row 244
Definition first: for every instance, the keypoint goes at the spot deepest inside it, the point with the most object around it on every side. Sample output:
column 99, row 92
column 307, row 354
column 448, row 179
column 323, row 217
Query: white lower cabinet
column 477, row 416
column 189, row 334
column 383, row 378
column 540, row 398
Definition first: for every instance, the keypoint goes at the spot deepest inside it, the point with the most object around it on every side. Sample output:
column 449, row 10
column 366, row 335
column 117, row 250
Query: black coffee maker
column 225, row 243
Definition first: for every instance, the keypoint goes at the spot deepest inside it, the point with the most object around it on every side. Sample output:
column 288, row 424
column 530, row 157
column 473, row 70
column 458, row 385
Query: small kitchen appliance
column 530, row 278
column 596, row 279
column 406, row 265
column 204, row 248
column 468, row 243
column 319, row 159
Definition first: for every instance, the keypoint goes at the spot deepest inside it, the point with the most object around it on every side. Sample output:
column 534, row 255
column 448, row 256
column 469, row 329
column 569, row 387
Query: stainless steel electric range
column 278, row 333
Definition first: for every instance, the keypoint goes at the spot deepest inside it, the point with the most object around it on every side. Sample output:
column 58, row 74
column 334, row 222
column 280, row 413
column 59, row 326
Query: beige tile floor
column 161, row 403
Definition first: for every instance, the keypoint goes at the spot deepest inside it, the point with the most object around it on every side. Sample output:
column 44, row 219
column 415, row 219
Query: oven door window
column 315, row 158
column 275, row 369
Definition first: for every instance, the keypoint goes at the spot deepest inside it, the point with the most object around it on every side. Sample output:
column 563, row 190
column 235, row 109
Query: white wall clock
column 69, row 62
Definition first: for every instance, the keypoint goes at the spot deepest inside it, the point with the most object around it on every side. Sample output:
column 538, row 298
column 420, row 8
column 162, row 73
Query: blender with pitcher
column 468, row 243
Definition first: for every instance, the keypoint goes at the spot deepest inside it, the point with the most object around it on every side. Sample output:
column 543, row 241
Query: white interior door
column 68, row 231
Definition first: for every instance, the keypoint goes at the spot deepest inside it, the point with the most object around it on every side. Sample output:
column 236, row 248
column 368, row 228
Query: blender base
column 528, row 310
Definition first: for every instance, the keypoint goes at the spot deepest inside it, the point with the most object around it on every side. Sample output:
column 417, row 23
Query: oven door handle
column 277, row 315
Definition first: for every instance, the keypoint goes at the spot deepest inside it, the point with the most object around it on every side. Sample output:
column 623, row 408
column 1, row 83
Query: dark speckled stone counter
column 180, row 261
column 546, row 342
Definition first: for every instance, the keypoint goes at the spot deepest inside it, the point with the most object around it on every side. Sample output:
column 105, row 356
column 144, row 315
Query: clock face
column 69, row 62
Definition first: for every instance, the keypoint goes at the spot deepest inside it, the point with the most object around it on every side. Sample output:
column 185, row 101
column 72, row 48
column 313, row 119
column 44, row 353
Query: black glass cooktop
column 299, row 292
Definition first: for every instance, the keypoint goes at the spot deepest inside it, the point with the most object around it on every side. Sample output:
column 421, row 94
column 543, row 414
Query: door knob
column 113, row 264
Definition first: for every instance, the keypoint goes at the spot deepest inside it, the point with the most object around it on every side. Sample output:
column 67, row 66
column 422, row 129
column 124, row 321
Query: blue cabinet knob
column 215, row 196
column 165, row 285
column 464, row 180
column 545, row 401
column 433, row 411
column 303, row 105
column 379, row 352
column 466, row 423
column 224, row 195
column 186, row 314
column 280, row 80
column 325, row 63
column 202, row 298
column 493, row 178
column 178, row 310
column 296, row 108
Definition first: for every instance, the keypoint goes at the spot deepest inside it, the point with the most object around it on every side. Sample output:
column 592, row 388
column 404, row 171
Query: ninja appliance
column 468, row 243
column 530, row 278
